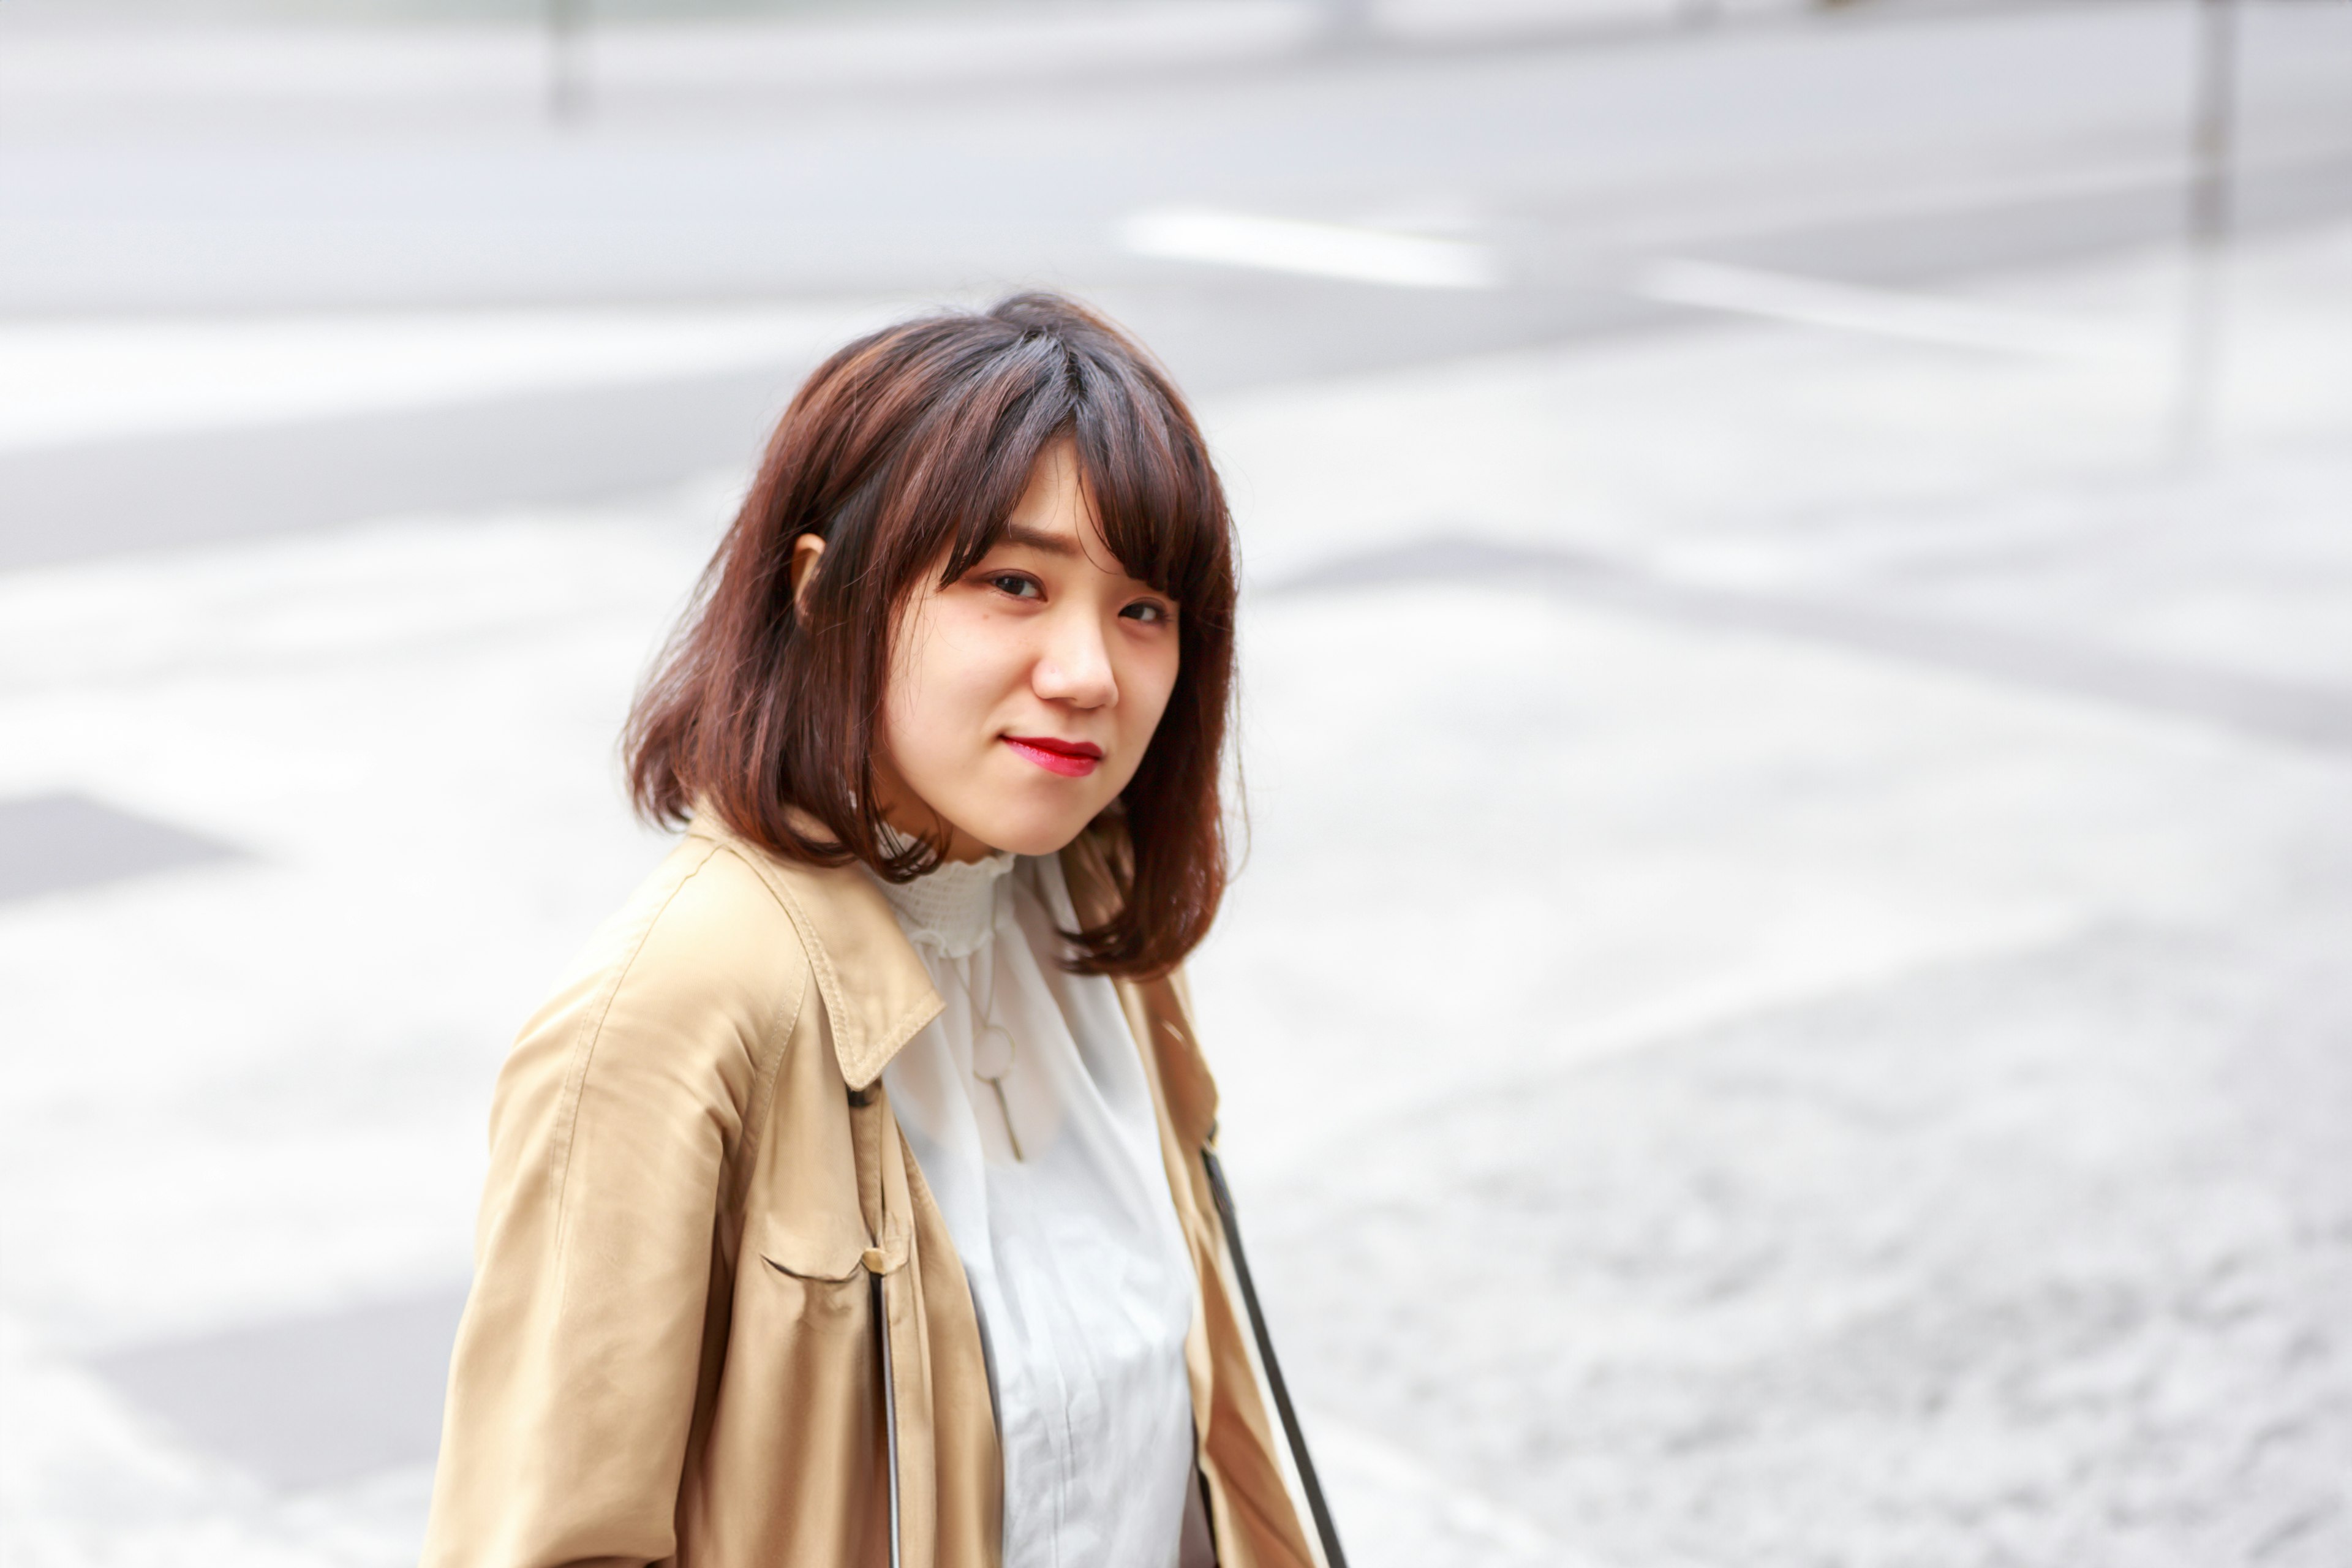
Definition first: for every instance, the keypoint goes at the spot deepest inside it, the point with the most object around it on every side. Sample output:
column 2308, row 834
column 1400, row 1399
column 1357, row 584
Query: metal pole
column 1347, row 24
column 2212, row 146
column 2217, row 110
column 567, row 62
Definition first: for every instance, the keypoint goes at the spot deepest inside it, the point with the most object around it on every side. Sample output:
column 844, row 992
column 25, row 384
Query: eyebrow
column 1038, row 539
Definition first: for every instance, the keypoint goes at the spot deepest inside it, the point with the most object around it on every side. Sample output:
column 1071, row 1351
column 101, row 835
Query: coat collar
column 846, row 927
column 847, row 930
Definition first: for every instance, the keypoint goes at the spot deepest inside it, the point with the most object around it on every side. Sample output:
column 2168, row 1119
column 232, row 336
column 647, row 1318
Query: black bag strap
column 1333, row 1557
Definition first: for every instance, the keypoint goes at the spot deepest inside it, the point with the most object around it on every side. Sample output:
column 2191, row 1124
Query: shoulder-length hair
column 906, row 452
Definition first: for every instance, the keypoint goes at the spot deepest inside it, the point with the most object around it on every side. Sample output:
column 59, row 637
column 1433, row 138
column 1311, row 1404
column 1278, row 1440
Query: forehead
column 1056, row 496
column 1056, row 516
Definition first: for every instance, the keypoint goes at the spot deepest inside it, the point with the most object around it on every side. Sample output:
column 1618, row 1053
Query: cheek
column 914, row 699
column 1145, row 686
column 946, row 677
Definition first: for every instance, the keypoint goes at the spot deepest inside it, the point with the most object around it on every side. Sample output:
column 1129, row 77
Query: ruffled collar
column 952, row 907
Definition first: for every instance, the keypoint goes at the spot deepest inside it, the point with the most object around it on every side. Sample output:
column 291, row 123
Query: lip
column 1071, row 759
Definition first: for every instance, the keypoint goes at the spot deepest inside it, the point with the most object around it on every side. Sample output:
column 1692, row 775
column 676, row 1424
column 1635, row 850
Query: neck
column 962, row 849
column 903, row 810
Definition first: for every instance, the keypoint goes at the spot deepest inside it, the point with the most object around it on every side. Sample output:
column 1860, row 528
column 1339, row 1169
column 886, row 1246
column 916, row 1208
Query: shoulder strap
column 1333, row 1557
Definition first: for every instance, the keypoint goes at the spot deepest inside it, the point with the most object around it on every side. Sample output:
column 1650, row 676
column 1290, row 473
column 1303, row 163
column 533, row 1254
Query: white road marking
column 1878, row 312
column 72, row 381
column 1315, row 249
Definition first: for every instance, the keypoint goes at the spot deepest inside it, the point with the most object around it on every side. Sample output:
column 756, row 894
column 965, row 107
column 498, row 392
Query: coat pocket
column 820, row 1244
column 827, row 1272
column 814, row 1267
column 789, row 1475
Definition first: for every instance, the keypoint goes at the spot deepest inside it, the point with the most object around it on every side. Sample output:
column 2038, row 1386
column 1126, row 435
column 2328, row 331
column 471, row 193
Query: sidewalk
column 1712, row 1082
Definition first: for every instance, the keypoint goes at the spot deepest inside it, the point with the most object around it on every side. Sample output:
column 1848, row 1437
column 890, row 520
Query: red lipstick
column 1071, row 759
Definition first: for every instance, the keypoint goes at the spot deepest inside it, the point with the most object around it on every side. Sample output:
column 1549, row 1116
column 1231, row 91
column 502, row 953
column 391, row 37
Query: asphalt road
column 1570, row 155
column 1894, row 149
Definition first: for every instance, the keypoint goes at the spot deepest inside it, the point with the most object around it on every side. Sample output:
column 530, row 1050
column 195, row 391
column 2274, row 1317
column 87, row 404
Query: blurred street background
column 1790, row 998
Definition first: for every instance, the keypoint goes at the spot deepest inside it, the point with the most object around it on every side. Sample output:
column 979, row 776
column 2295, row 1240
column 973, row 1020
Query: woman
column 895, row 1036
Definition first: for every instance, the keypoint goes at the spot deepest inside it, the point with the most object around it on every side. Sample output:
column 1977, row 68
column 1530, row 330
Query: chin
column 1037, row 833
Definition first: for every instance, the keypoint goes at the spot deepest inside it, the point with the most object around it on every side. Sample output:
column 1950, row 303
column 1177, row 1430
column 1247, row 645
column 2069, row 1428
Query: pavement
column 1785, row 1005
column 1878, row 1101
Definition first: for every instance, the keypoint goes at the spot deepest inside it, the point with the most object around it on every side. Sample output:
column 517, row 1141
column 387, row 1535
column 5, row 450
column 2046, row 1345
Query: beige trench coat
column 667, row 1355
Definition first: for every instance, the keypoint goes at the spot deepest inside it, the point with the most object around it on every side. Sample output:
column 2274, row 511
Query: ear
column 807, row 549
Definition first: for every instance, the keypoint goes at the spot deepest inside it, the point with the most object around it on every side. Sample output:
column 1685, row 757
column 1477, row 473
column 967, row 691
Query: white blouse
column 1078, row 1272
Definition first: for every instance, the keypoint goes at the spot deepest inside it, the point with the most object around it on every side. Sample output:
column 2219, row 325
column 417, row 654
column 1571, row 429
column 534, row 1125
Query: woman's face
column 1022, row 695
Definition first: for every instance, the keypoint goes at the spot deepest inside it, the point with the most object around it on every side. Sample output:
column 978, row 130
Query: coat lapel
column 848, row 930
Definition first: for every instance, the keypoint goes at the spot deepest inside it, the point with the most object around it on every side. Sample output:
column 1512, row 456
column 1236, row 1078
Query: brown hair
column 913, row 443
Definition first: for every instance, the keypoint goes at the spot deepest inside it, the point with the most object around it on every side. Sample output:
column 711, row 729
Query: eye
column 1020, row 585
column 1150, row 612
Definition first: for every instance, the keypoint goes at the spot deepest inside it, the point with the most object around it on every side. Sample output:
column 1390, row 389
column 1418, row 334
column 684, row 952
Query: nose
column 1074, row 666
